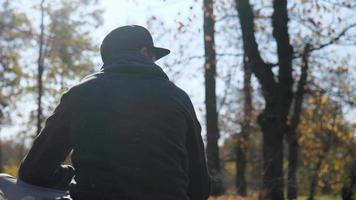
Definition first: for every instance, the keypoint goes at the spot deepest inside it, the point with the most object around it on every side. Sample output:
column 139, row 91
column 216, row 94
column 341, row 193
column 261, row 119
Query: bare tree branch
column 321, row 46
column 263, row 73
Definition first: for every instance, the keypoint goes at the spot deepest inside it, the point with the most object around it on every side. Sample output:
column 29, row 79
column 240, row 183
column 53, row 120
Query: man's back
column 134, row 126
column 134, row 135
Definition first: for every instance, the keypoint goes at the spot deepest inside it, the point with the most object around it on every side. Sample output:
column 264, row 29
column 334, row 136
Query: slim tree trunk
column 292, row 137
column 241, row 161
column 315, row 178
column 292, row 169
column 1, row 156
column 5, row 6
column 348, row 188
column 242, row 138
column 40, row 63
column 210, row 99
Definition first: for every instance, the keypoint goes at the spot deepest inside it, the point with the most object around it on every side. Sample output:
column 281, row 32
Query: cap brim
column 160, row 52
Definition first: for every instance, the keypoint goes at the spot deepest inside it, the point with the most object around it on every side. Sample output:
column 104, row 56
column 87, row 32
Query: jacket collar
column 133, row 64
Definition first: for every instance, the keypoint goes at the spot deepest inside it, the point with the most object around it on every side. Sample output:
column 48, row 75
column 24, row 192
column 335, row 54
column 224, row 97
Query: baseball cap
column 129, row 38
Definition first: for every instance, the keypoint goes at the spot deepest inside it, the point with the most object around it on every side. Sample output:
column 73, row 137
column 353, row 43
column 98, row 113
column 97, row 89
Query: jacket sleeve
column 42, row 165
column 199, row 185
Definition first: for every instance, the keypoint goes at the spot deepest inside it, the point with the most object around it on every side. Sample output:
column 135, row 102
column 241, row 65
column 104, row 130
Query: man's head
column 148, row 53
column 130, row 39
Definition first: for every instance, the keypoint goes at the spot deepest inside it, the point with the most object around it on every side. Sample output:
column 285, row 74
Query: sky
column 127, row 12
column 123, row 12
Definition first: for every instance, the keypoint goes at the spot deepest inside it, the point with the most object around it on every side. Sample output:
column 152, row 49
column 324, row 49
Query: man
column 133, row 134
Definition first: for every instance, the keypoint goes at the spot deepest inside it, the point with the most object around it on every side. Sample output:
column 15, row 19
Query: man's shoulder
column 87, row 81
column 179, row 91
column 86, row 84
column 90, row 78
column 182, row 95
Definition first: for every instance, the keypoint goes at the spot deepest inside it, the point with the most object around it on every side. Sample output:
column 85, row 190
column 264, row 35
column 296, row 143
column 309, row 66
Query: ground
column 232, row 197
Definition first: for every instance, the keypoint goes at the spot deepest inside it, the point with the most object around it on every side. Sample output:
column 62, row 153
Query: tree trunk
column 292, row 169
column 277, row 95
column 348, row 188
column 315, row 177
column 212, row 148
column 273, row 183
column 40, row 63
column 241, row 185
column 292, row 137
column 1, row 157
column 242, row 138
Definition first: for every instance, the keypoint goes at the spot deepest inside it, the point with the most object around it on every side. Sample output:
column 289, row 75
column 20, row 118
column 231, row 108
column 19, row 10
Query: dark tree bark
column 40, row 63
column 348, row 188
column 1, row 158
column 212, row 148
column 242, row 138
column 315, row 177
column 327, row 143
column 292, row 136
column 241, row 185
column 278, row 93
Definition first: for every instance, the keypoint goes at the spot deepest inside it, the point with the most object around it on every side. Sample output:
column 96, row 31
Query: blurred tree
column 15, row 33
column 212, row 129
column 242, row 137
column 12, row 156
column 292, row 137
column 13, row 152
column 283, row 102
column 278, row 94
column 66, row 49
column 317, row 29
column 40, row 69
column 253, row 158
column 347, row 192
column 325, row 138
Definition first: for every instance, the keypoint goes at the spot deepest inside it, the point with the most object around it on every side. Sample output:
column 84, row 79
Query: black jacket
column 133, row 133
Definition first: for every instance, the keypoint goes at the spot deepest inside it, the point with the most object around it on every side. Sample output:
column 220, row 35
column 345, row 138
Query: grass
column 325, row 197
column 233, row 197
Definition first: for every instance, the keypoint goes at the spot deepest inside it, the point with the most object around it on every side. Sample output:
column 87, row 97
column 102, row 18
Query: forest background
column 272, row 81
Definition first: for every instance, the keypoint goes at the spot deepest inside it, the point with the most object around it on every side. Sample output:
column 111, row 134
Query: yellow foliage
column 234, row 197
column 324, row 170
column 324, row 137
column 11, row 169
column 324, row 100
